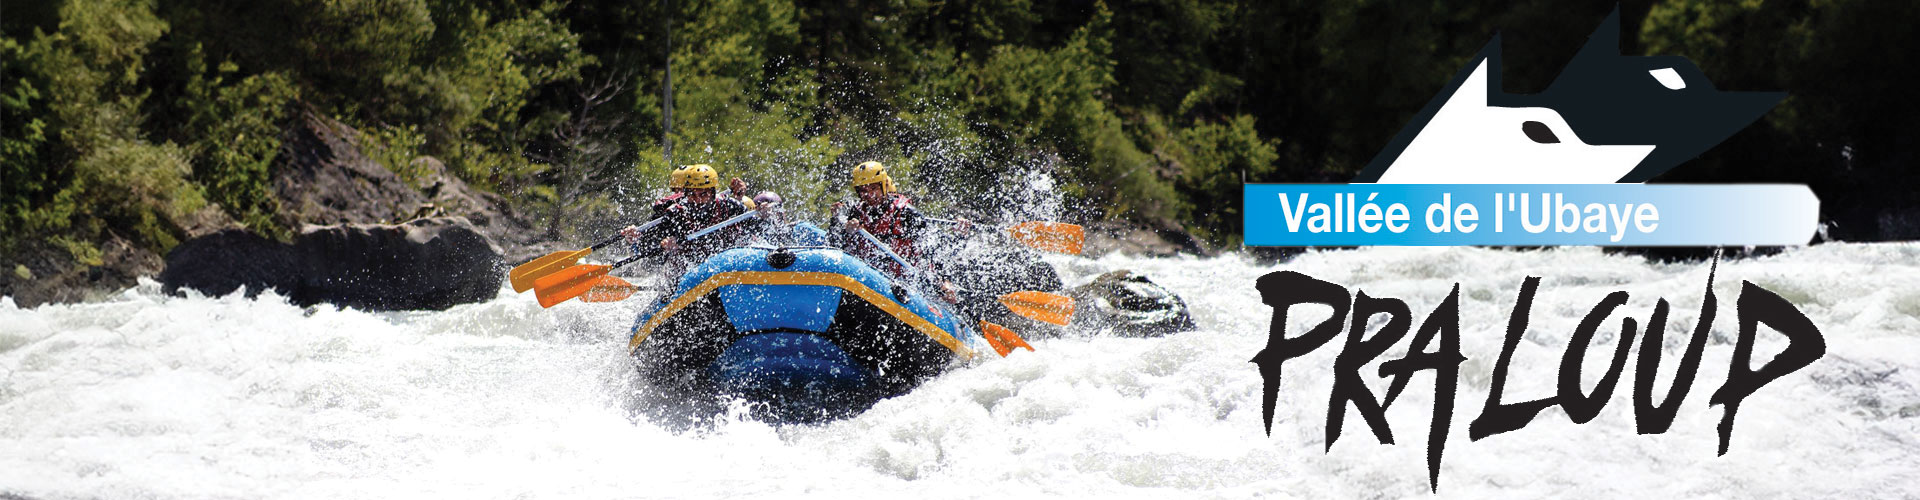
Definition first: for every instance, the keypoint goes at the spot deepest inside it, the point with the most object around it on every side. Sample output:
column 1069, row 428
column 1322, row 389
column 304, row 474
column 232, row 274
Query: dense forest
column 123, row 117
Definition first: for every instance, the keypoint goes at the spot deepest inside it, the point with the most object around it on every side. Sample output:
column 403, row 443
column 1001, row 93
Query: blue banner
column 1530, row 214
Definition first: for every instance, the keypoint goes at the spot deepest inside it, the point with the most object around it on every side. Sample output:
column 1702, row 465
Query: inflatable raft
column 803, row 332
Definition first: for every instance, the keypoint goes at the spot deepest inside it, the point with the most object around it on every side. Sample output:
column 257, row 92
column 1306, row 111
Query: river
column 145, row 395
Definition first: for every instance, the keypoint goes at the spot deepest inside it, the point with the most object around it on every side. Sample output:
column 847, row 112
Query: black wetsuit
column 660, row 206
column 684, row 219
column 687, row 218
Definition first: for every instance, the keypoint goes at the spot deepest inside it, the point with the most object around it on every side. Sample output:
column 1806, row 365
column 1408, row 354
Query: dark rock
column 324, row 176
column 344, row 252
column 1694, row 254
column 490, row 214
column 321, row 175
column 41, row 272
column 994, row 264
column 448, row 193
column 208, row 220
column 1130, row 305
column 1268, row 256
column 1900, row 224
column 425, row 264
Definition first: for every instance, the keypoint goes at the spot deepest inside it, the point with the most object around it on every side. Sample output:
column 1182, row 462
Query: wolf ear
column 1475, row 90
column 1486, row 61
column 1605, row 40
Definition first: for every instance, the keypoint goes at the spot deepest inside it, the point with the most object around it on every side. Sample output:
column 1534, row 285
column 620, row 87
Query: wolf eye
column 1669, row 78
column 1539, row 132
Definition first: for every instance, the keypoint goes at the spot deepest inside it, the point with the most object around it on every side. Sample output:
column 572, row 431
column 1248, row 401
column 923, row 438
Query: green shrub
column 396, row 147
column 234, row 124
column 96, row 175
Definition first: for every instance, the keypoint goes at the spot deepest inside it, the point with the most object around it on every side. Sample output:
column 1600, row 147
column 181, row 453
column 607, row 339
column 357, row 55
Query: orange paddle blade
column 1040, row 306
column 1050, row 236
column 609, row 289
column 568, row 283
column 522, row 276
column 1002, row 339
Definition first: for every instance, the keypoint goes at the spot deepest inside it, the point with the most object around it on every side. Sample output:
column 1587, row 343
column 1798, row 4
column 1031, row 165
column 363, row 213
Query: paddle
column 1002, row 339
column 611, row 289
column 522, row 276
column 1042, row 235
column 897, row 259
column 1040, row 306
column 575, row 281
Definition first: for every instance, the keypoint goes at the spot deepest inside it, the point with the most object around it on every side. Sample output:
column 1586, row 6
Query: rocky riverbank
column 362, row 237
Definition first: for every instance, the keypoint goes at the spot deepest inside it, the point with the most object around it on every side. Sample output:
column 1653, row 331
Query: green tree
column 232, row 127
column 742, row 112
column 97, row 175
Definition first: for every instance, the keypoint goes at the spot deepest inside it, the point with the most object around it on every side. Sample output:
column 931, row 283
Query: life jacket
column 889, row 226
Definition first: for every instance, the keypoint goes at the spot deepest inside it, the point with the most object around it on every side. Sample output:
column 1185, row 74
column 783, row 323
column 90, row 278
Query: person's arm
column 662, row 205
column 914, row 226
column 847, row 217
column 737, row 189
column 646, row 241
column 672, row 232
column 660, row 208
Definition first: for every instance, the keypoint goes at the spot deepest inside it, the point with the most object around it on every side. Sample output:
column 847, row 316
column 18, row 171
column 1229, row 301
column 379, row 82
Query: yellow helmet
column 677, row 179
column 871, row 172
column 699, row 176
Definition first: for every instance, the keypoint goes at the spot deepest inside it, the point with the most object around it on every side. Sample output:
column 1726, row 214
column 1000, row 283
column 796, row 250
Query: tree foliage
column 119, row 117
column 79, row 96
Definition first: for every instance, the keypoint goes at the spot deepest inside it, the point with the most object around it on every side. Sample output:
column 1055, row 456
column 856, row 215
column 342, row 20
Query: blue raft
column 803, row 332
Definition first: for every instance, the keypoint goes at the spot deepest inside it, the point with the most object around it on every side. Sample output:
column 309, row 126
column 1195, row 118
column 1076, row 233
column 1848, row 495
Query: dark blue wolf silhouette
column 1606, row 99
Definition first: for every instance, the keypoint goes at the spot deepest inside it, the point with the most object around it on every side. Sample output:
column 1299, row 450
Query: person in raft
column 694, row 205
column 882, row 210
column 677, row 182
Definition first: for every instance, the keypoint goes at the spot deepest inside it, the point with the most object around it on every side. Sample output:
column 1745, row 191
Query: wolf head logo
column 1606, row 118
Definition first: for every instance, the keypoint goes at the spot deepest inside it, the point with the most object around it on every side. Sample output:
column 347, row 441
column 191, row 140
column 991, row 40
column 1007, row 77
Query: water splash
column 145, row 395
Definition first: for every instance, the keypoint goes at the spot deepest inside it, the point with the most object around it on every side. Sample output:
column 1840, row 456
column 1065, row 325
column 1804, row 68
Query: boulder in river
column 1130, row 305
column 424, row 264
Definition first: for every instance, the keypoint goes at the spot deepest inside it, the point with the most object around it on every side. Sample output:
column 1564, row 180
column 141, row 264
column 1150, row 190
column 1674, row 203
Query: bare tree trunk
column 584, row 159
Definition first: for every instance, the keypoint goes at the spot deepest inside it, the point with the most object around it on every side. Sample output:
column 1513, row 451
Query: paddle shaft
column 616, row 238
column 907, row 267
column 696, row 235
column 576, row 281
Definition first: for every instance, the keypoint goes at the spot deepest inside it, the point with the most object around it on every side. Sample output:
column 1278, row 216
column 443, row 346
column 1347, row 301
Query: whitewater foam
column 151, row 396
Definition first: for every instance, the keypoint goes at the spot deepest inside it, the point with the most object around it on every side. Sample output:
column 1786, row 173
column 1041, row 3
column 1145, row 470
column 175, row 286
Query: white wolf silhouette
column 1471, row 142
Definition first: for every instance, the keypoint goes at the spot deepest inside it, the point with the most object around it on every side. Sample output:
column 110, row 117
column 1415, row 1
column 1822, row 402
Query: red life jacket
column 888, row 227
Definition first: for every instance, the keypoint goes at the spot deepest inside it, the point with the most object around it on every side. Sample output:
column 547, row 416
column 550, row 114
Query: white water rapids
column 150, row 396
